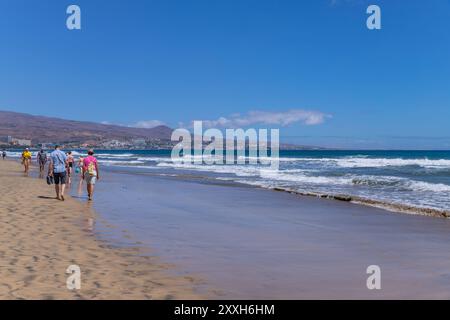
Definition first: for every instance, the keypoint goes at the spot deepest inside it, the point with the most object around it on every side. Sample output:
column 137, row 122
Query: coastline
column 393, row 207
column 244, row 242
column 389, row 206
column 41, row 237
column 410, row 182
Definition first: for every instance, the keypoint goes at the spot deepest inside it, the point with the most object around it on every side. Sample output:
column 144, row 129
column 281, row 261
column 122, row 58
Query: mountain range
column 41, row 129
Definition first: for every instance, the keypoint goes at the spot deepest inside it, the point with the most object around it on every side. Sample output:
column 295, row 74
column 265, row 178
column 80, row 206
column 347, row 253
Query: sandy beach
column 40, row 237
column 168, row 237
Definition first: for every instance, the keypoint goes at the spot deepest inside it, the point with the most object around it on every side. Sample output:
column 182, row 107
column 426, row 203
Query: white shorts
column 90, row 179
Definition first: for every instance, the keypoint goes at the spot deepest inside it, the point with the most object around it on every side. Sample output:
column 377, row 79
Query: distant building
column 139, row 142
column 113, row 144
column 47, row 145
column 19, row 142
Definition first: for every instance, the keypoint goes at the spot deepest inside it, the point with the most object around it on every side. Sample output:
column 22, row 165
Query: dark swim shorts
column 60, row 176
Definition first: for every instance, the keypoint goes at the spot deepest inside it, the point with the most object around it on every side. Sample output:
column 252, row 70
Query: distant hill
column 42, row 129
column 296, row 147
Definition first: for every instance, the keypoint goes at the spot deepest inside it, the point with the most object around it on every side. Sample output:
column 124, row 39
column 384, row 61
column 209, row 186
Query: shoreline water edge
column 413, row 182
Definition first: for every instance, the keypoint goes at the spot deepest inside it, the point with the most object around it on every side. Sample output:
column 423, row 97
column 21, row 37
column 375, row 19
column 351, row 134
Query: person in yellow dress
column 26, row 159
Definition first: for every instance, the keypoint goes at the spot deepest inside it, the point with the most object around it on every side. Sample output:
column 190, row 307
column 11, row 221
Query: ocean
column 399, row 179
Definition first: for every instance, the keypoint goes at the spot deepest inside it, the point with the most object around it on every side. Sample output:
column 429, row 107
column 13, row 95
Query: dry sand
column 41, row 236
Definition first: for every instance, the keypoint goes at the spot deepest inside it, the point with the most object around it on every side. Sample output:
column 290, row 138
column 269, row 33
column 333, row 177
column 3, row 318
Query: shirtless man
column 70, row 162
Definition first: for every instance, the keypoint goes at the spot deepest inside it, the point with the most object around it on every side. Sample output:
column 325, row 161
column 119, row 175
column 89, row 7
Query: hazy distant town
column 19, row 130
column 151, row 144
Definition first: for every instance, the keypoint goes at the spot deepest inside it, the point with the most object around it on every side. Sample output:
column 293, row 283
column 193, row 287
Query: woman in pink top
column 90, row 172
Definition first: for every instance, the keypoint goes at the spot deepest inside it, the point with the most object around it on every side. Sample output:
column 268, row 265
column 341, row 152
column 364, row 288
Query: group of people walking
column 61, row 167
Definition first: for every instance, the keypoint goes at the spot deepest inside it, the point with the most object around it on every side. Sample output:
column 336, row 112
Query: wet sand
column 252, row 243
column 41, row 236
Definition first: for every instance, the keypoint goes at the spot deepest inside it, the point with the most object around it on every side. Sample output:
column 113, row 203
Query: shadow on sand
column 45, row 197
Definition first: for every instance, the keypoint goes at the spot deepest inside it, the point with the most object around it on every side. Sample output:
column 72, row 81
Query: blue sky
column 256, row 62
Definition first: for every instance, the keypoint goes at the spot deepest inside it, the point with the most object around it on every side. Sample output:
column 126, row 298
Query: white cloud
column 282, row 118
column 147, row 124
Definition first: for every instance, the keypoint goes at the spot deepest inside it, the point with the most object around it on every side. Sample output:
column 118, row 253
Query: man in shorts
column 70, row 161
column 57, row 169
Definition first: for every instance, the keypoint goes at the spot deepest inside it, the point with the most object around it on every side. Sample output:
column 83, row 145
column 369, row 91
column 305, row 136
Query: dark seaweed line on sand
column 403, row 208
